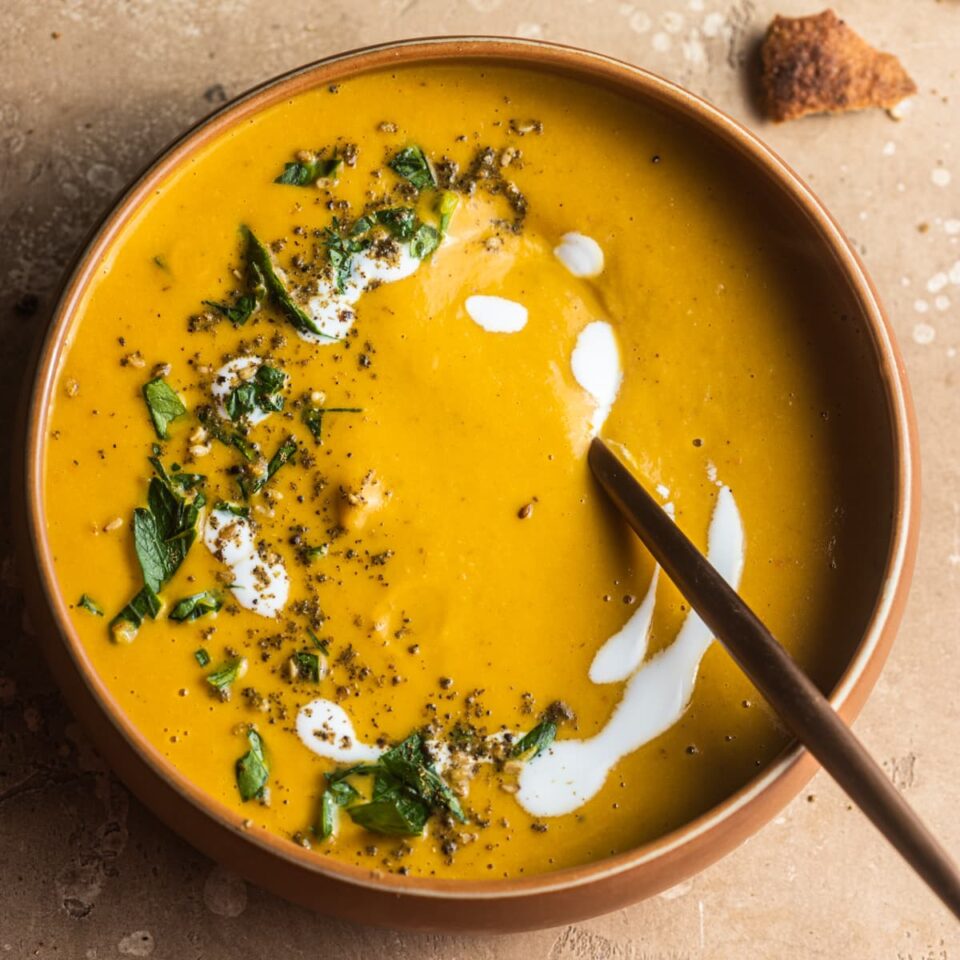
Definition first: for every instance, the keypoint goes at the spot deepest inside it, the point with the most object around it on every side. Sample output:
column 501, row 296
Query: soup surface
column 316, row 478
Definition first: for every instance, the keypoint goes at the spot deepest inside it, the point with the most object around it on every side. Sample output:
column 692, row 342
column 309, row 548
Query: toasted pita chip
column 817, row 64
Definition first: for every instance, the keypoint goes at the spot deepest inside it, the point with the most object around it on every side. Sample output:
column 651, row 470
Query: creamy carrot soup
column 316, row 477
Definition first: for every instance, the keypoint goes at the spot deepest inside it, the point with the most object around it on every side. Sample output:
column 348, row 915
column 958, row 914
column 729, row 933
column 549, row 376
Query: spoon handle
column 799, row 703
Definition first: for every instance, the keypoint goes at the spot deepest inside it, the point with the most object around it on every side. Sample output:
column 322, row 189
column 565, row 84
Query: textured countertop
column 90, row 89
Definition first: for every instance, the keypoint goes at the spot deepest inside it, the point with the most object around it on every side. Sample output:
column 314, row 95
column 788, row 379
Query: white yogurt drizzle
column 596, row 367
column 228, row 378
column 496, row 314
column 570, row 772
column 258, row 585
column 580, row 254
column 333, row 312
column 324, row 727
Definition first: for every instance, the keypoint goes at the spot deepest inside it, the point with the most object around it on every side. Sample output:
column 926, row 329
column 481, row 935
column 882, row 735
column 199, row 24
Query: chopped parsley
column 163, row 403
column 196, row 606
column 252, row 770
column 313, row 418
column 412, row 164
column 303, row 173
column 87, row 603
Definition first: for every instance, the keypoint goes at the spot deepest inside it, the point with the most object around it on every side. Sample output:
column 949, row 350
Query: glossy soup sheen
column 443, row 604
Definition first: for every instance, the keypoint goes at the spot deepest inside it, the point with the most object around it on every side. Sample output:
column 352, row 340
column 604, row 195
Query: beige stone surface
column 90, row 89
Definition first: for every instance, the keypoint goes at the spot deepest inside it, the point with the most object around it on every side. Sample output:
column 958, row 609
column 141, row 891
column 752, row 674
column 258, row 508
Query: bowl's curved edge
column 435, row 905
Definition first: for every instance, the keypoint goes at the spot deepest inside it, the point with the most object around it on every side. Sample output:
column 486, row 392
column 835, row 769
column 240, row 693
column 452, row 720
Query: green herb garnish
column 163, row 403
column 235, row 508
column 308, row 554
column 90, row 605
column 339, row 794
column 240, row 312
column 406, row 789
column 231, row 438
column 285, row 452
column 412, row 164
column 124, row 626
column 424, row 241
column 407, row 764
column 252, row 770
column 201, row 656
column 322, row 645
column 164, row 531
column 400, row 222
column 258, row 256
column 261, row 392
column 196, row 606
column 227, row 673
column 536, row 741
column 341, row 249
column 446, row 205
column 308, row 666
column 303, row 173
column 313, row 418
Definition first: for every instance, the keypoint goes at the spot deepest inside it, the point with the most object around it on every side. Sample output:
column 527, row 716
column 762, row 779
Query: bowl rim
column 757, row 795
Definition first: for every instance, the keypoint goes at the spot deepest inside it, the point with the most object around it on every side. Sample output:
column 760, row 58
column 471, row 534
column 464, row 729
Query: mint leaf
column 308, row 666
column 90, row 605
column 234, row 508
column 406, row 763
column 250, row 485
column 399, row 816
column 312, row 418
column 151, row 552
column 231, row 438
column 163, row 403
column 227, row 673
column 261, row 392
column 341, row 249
column 125, row 625
column 258, row 256
column 196, row 606
column 412, row 164
column 252, row 770
column 424, row 241
column 303, row 173
column 536, row 741
column 338, row 794
column 239, row 313
column 447, row 203
column 201, row 656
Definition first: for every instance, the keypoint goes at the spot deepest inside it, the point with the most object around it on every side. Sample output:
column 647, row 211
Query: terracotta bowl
column 497, row 905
